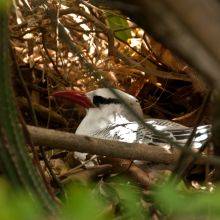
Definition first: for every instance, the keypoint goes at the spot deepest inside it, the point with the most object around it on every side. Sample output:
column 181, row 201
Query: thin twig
column 181, row 165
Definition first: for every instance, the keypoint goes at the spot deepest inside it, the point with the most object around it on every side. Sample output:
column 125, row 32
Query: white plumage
column 110, row 119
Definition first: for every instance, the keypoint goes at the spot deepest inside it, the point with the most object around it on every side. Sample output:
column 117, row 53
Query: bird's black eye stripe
column 99, row 100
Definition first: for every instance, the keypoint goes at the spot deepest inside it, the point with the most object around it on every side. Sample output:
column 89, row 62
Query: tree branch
column 68, row 141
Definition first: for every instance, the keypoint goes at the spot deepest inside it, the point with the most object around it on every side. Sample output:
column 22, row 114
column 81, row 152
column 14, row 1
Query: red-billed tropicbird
column 108, row 118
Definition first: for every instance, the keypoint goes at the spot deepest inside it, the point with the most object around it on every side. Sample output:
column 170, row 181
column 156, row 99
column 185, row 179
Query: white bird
column 107, row 117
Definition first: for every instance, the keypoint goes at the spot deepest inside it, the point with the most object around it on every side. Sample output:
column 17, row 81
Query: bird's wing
column 164, row 124
column 179, row 133
column 133, row 132
column 126, row 132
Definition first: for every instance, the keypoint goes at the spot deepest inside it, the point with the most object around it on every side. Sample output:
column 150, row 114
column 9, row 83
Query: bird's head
column 101, row 99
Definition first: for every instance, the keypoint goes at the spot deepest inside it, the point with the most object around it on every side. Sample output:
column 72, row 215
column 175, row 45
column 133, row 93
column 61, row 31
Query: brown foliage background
column 128, row 58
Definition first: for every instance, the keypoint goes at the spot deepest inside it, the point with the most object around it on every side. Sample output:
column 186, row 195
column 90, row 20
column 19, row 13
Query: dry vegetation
column 74, row 44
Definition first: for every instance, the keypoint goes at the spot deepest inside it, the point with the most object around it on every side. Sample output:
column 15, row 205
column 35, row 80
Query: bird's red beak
column 75, row 97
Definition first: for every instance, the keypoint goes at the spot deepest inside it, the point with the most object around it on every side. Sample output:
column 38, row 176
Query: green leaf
column 115, row 23
column 188, row 203
column 130, row 200
column 18, row 204
column 83, row 204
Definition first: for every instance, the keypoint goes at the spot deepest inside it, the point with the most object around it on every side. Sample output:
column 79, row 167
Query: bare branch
column 134, row 151
column 64, row 140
